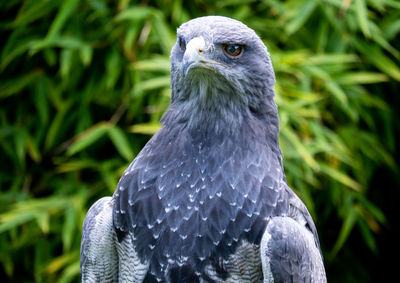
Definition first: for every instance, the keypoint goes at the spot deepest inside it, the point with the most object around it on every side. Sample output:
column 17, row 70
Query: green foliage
column 83, row 84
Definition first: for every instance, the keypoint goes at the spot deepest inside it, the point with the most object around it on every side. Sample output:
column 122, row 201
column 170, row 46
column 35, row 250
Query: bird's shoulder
column 97, row 245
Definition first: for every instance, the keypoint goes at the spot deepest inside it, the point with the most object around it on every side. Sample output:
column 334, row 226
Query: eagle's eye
column 233, row 50
column 182, row 44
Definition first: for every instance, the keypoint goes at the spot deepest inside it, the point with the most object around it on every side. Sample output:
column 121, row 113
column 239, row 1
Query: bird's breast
column 190, row 203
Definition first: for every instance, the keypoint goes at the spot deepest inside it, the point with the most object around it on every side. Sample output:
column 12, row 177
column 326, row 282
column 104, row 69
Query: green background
column 83, row 84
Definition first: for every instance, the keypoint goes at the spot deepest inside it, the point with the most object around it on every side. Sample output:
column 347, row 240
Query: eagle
column 206, row 199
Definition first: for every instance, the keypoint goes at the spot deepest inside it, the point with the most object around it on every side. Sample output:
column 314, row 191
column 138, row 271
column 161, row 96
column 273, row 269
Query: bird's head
column 219, row 65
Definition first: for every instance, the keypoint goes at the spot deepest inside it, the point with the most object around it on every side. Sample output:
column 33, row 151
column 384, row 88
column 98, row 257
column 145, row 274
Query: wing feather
column 289, row 253
column 99, row 257
column 103, row 257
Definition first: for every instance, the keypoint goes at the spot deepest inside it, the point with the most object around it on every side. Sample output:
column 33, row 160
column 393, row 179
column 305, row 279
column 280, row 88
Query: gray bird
column 206, row 200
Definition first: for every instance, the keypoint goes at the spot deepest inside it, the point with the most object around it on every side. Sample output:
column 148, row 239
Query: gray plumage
column 206, row 200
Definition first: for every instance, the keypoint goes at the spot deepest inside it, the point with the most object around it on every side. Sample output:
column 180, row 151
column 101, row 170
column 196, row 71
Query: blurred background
column 83, row 84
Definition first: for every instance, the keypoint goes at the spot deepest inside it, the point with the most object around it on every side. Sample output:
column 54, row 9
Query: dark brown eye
column 181, row 44
column 233, row 50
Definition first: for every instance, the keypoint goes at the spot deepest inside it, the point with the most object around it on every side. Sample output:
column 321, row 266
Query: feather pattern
column 291, row 253
column 206, row 200
column 103, row 257
column 198, row 214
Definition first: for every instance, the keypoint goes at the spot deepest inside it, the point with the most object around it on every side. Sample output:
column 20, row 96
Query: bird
column 206, row 199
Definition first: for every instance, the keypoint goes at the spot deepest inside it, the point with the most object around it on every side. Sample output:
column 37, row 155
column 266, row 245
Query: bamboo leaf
column 339, row 176
column 121, row 142
column 331, row 59
column 43, row 221
column 88, row 137
column 27, row 211
column 113, row 60
column 145, row 128
column 56, row 127
column 156, row 64
column 33, row 11
column 86, row 54
column 66, row 62
column 368, row 236
column 361, row 11
column 302, row 15
column 300, row 148
column 15, row 86
column 376, row 56
column 70, row 272
column 58, row 263
column 14, row 50
column 20, row 147
column 136, row 13
column 76, row 165
column 168, row 40
column 154, row 83
column 347, row 227
column 67, row 8
column 33, row 150
column 67, row 42
column 360, row 78
column 69, row 228
column 11, row 220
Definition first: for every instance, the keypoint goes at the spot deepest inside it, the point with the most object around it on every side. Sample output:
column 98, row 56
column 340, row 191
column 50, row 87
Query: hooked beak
column 195, row 56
